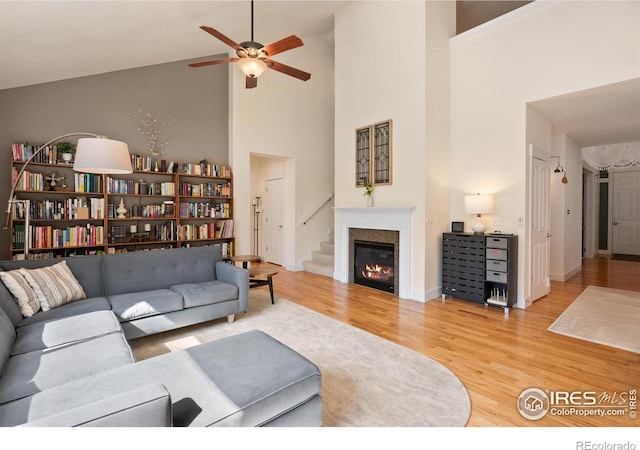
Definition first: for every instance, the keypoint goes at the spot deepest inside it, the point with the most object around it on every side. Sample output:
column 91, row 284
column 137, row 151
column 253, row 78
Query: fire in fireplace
column 373, row 265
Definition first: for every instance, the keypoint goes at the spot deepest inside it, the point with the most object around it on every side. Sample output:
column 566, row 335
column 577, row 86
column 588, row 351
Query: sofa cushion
column 27, row 374
column 286, row 379
column 206, row 293
column 54, row 285
column 86, row 269
column 22, row 291
column 196, row 400
column 68, row 310
column 148, row 406
column 9, row 306
column 141, row 304
column 7, row 338
column 41, row 335
column 158, row 269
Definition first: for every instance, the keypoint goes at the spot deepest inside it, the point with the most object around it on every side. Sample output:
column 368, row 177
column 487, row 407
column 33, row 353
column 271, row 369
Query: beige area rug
column 367, row 381
column 604, row 316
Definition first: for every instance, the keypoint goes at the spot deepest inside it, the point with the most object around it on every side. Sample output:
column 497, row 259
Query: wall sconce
column 560, row 169
column 478, row 204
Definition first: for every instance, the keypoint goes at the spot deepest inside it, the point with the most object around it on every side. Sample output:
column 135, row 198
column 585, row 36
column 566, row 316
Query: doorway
column 540, row 223
column 274, row 221
column 625, row 218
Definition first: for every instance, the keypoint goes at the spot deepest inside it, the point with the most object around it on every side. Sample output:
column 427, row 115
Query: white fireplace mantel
column 395, row 218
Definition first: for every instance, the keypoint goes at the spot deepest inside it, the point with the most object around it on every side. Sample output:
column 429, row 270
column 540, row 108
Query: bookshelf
column 78, row 214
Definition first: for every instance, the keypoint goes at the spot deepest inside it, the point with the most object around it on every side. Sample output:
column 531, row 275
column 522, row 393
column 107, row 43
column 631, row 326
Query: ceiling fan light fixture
column 252, row 67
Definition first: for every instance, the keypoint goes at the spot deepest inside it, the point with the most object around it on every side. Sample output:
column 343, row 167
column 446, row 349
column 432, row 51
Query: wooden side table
column 262, row 276
column 245, row 259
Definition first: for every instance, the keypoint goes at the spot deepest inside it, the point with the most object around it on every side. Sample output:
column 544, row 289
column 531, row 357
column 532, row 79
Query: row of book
column 203, row 168
column 205, row 189
column 220, row 229
column 23, row 152
column 115, row 186
column 87, row 182
column 44, row 237
column 34, row 181
column 78, row 208
column 205, row 210
column 142, row 163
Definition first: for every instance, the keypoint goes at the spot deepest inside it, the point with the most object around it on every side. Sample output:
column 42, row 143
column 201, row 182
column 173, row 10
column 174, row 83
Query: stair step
column 327, row 247
column 321, row 257
column 318, row 268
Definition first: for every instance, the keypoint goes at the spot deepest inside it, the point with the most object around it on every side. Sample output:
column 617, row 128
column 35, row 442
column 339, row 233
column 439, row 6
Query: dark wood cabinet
column 480, row 268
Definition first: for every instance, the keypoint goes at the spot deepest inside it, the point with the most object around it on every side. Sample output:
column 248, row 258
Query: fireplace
column 374, row 265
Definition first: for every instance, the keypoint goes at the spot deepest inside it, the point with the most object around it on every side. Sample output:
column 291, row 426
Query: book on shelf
column 23, row 152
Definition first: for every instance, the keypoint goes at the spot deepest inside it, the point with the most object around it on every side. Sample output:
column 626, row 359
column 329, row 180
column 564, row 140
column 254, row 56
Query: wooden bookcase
column 191, row 207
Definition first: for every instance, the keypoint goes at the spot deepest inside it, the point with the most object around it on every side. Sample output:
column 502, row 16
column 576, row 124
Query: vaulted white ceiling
column 42, row 41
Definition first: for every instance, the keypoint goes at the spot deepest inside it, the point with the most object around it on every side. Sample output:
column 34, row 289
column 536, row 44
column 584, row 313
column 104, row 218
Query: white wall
column 440, row 25
column 541, row 50
column 292, row 119
column 380, row 75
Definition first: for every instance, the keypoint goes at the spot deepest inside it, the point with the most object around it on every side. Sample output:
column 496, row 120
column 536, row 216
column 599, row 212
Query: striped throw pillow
column 54, row 285
column 22, row 292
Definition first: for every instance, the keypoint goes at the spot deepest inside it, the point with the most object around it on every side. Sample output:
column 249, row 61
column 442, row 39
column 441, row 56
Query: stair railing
column 326, row 199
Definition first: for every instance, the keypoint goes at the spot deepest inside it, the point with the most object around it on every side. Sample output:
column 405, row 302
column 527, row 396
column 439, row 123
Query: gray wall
column 192, row 103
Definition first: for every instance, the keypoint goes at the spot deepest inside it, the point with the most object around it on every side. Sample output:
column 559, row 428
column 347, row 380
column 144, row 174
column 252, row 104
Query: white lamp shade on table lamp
column 101, row 155
column 478, row 204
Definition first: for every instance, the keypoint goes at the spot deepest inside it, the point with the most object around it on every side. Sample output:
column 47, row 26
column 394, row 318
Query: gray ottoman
column 249, row 379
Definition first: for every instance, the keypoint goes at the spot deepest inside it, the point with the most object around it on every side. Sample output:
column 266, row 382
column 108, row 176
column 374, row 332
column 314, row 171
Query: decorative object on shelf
column 122, row 210
column 150, row 129
column 253, row 57
column 457, row 227
column 67, row 150
column 368, row 192
column 53, row 181
column 560, row 169
column 97, row 154
column 144, row 188
column 478, row 204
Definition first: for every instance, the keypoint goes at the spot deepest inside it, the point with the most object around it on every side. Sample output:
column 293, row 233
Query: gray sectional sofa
column 72, row 365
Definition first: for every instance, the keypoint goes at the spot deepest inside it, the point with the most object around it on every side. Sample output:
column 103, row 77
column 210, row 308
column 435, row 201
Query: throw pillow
column 54, row 285
column 22, row 292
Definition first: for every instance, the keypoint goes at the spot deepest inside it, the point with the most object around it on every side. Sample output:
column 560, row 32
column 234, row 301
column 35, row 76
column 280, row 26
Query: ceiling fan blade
column 283, row 45
column 215, row 33
column 251, row 82
column 215, row 61
column 288, row 70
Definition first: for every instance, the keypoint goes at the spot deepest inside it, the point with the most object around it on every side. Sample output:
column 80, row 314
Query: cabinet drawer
column 498, row 277
column 496, row 253
column 496, row 242
column 499, row 266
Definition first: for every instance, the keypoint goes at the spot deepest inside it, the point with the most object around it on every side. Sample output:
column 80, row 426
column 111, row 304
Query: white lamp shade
column 478, row 204
column 252, row 67
column 101, row 155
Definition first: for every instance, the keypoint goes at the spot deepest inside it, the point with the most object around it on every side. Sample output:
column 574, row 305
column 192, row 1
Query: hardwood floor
column 496, row 356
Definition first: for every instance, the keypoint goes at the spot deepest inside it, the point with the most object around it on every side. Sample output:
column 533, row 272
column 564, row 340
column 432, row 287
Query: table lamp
column 478, row 204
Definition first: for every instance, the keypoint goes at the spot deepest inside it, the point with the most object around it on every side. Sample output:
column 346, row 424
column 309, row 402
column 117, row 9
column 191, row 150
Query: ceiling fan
column 254, row 58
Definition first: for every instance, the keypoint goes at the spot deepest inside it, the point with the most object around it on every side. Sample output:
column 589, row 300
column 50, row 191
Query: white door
column 540, row 251
column 625, row 215
column 273, row 221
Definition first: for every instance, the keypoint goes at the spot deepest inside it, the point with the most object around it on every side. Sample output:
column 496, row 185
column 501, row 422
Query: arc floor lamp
column 94, row 154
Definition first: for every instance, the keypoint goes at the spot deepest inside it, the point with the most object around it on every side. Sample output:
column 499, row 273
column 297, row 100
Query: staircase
column 322, row 261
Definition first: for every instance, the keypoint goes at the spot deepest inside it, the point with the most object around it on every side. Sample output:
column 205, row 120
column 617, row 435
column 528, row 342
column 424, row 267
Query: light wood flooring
column 495, row 355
